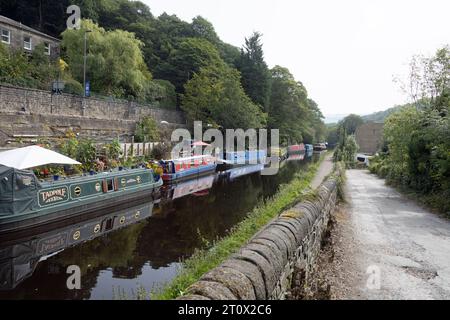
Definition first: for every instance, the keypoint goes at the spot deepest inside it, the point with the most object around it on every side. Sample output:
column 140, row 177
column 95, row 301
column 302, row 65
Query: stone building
column 17, row 36
column 369, row 137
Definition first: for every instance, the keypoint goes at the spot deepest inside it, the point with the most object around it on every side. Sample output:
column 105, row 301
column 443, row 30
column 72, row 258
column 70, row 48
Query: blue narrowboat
column 235, row 173
column 241, row 158
column 309, row 150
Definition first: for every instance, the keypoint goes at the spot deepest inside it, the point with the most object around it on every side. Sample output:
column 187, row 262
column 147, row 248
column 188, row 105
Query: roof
column 19, row 25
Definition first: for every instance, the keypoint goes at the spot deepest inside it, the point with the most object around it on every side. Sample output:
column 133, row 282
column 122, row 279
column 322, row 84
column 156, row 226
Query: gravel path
column 324, row 170
column 384, row 246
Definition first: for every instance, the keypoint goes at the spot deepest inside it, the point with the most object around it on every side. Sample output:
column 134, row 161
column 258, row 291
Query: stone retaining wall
column 264, row 268
column 39, row 113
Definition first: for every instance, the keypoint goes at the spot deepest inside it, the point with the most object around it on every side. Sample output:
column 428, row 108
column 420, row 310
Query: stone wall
column 29, row 113
column 264, row 268
column 369, row 137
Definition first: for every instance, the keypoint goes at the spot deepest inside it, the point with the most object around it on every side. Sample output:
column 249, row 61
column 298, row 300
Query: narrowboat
column 19, row 256
column 241, row 158
column 320, row 147
column 296, row 157
column 187, row 168
column 26, row 202
column 184, row 188
column 235, row 173
column 297, row 148
column 309, row 150
column 280, row 152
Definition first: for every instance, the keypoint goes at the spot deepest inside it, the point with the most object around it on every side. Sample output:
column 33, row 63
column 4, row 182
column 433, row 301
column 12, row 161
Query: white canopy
column 33, row 156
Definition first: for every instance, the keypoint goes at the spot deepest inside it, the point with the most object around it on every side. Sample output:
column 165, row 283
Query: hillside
column 380, row 116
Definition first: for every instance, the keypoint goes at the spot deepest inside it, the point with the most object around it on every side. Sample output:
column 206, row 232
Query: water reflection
column 138, row 246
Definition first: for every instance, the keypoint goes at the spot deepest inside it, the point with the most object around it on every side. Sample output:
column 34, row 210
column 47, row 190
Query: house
column 20, row 37
column 369, row 137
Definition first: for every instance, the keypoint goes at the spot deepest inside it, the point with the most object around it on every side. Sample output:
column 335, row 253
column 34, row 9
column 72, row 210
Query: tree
column 350, row 123
column 215, row 96
column 190, row 55
column 35, row 71
column 115, row 65
column 255, row 72
column 147, row 130
column 429, row 80
column 288, row 106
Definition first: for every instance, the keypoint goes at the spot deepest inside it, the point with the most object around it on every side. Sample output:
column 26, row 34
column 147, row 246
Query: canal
column 140, row 247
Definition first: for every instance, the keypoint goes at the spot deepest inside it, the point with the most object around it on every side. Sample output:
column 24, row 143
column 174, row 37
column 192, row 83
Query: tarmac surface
column 394, row 248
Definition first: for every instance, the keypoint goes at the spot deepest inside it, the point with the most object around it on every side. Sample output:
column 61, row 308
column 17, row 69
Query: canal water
column 139, row 247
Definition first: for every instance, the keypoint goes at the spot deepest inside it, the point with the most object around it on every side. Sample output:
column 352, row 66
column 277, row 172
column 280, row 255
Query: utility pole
column 85, row 59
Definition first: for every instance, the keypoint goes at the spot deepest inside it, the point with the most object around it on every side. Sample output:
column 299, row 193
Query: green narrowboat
column 26, row 202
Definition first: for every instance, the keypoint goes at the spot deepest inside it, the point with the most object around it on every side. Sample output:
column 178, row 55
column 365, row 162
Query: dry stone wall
column 264, row 268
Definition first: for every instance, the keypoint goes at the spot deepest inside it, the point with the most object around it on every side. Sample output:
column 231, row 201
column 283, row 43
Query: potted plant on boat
column 57, row 173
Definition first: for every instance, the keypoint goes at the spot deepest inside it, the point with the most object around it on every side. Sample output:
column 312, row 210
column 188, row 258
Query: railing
column 137, row 149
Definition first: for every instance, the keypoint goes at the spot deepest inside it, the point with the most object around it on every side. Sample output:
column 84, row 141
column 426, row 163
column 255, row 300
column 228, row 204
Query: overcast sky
column 345, row 52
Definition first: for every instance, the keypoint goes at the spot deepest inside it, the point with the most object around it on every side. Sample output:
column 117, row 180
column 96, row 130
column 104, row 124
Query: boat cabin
column 187, row 167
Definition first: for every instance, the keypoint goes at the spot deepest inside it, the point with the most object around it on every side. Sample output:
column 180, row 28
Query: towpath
column 324, row 170
column 385, row 246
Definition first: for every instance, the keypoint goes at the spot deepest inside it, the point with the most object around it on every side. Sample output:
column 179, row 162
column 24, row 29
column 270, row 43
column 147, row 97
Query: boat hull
column 34, row 219
column 190, row 173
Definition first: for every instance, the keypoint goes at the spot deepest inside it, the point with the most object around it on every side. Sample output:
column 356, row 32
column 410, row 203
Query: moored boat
column 320, row 147
column 297, row 148
column 237, row 172
column 187, row 168
column 26, row 202
column 309, row 150
column 241, row 158
column 296, row 157
column 280, row 152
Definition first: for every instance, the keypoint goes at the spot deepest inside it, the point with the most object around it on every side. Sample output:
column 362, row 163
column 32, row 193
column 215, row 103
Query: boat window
column 110, row 185
column 109, row 224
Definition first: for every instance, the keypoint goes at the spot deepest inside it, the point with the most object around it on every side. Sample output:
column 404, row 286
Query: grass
column 205, row 260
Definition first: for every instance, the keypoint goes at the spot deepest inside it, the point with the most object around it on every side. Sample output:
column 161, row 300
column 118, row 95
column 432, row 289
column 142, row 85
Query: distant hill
column 334, row 118
column 381, row 115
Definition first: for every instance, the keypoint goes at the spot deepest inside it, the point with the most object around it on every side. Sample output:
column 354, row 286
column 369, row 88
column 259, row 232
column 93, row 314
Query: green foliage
column 255, row 72
column 381, row 115
column 86, row 154
column 72, row 86
column 333, row 134
column 215, row 96
column 147, row 130
column 297, row 117
column 69, row 146
column 168, row 97
column 188, row 58
column 350, row 123
column 418, row 136
column 346, row 151
column 115, row 65
column 35, row 71
column 113, row 150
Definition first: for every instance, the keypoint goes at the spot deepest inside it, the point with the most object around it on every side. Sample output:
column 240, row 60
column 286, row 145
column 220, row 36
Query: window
column 27, row 43
column 6, row 36
column 47, row 48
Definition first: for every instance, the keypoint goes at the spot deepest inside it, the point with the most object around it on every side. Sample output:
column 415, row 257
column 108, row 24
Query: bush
column 72, row 86
column 147, row 130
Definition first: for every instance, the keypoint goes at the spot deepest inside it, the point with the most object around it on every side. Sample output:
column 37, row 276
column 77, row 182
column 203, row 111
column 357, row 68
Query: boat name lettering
column 55, row 195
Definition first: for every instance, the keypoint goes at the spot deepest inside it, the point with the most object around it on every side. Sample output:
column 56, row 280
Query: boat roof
column 189, row 158
column 98, row 176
